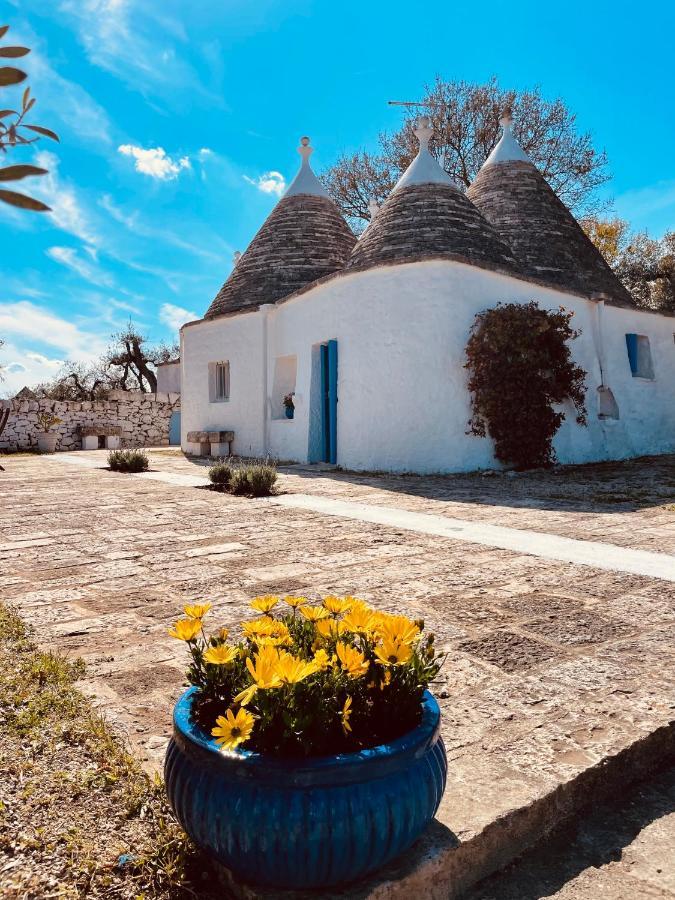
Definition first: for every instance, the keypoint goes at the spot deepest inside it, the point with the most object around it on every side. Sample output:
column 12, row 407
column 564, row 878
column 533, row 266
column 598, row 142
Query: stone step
column 442, row 867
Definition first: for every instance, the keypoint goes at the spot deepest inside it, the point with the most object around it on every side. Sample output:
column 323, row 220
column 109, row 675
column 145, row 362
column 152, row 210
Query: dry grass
column 73, row 800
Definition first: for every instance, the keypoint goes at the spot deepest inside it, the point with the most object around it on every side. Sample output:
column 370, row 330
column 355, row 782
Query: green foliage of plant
column 261, row 479
column 220, row 474
column 47, row 420
column 520, row 365
column 313, row 680
column 254, row 480
column 239, row 481
column 14, row 128
column 128, row 460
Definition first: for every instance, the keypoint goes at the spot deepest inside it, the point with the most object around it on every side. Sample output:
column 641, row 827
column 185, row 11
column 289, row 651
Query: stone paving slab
column 558, row 674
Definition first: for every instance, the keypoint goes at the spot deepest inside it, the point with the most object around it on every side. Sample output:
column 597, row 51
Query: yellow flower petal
column 197, row 610
column 186, row 629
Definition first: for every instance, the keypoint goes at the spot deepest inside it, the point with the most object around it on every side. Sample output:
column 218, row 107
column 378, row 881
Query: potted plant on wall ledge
column 47, row 439
column 307, row 752
column 289, row 405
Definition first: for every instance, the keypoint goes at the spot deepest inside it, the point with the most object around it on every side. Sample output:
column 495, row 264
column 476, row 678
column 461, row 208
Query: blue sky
column 172, row 115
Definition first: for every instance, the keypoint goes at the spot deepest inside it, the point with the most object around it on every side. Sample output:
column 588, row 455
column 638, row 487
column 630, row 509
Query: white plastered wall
column 403, row 401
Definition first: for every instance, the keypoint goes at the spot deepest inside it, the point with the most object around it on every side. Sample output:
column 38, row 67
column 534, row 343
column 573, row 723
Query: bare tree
column 465, row 118
column 13, row 128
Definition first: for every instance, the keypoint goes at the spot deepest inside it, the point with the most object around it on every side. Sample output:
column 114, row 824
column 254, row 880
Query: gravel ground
column 78, row 816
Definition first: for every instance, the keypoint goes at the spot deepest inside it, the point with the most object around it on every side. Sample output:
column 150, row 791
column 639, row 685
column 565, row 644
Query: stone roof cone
column 427, row 215
column 546, row 239
column 304, row 238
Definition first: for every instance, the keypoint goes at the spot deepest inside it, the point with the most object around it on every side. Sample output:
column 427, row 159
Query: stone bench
column 209, row 443
column 91, row 435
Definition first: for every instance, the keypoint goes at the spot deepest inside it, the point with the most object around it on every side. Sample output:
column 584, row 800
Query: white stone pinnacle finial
column 236, row 257
column 506, row 120
column 373, row 208
column 306, row 182
column 305, row 150
column 424, row 131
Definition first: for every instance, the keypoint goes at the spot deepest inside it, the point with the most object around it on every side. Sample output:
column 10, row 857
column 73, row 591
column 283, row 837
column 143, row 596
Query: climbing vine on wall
column 520, row 365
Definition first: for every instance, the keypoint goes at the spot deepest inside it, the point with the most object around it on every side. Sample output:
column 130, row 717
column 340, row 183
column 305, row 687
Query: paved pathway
column 553, row 667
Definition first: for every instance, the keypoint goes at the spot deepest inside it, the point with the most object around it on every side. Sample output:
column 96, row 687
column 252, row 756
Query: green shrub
column 239, row 481
column 128, row 460
column 261, row 479
column 254, row 480
column 220, row 475
column 521, row 368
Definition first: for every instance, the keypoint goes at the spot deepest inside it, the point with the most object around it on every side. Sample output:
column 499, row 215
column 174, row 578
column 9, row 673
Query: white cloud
column 23, row 319
column 269, row 183
column 69, row 257
column 175, row 316
column 67, row 211
column 204, row 152
column 129, row 39
column 155, row 162
column 21, row 367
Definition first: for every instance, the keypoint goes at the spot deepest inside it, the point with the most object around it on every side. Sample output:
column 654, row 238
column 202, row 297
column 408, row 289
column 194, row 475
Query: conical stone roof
column 304, row 238
column 546, row 239
column 426, row 215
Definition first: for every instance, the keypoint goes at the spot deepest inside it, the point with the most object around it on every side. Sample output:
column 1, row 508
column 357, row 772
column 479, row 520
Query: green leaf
column 22, row 201
column 14, row 51
column 40, row 130
column 8, row 76
column 8, row 112
column 25, row 97
column 14, row 173
column 3, row 30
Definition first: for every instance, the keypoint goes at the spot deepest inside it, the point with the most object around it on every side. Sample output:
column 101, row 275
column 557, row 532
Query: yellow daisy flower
column 314, row 613
column 322, row 661
column 397, row 628
column 264, row 604
column 221, row 655
column 346, row 713
column 231, row 730
column 223, row 633
column 359, row 619
column 186, row 629
column 263, row 628
column 263, row 670
column 291, row 670
column 393, row 653
column 295, row 602
column 336, row 605
column 353, row 661
column 331, row 628
column 197, row 610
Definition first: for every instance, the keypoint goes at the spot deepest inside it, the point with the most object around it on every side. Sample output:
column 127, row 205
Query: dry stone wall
column 143, row 418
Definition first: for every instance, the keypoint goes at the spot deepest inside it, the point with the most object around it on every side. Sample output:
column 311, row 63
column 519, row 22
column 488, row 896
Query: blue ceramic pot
column 305, row 823
column 289, row 412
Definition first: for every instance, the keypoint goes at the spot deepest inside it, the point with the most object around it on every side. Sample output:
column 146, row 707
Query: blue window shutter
column 632, row 347
column 332, row 400
column 325, row 442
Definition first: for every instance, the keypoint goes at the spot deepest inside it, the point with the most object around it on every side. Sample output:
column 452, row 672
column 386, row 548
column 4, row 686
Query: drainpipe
column 598, row 335
column 264, row 312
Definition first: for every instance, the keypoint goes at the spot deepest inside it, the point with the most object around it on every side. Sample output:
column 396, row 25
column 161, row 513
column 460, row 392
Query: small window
column 639, row 356
column 219, row 381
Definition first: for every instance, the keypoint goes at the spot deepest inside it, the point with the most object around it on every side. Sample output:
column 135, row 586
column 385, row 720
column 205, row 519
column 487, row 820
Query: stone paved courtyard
column 553, row 667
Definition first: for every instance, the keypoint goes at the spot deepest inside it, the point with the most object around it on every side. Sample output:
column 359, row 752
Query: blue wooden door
column 174, row 428
column 329, row 379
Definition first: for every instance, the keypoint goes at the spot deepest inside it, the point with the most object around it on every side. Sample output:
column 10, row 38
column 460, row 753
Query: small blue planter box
column 305, row 823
